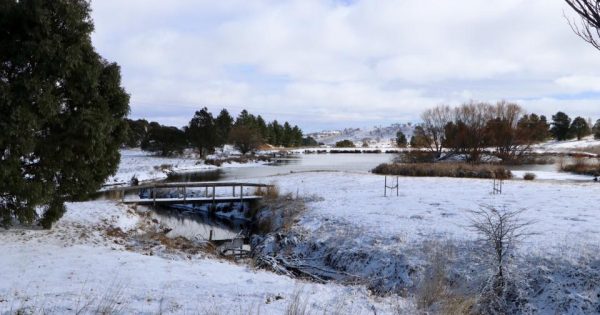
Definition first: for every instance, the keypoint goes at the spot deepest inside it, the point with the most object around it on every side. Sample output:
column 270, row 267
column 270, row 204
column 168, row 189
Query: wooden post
column 397, row 187
column 385, row 187
column 184, row 194
column 154, row 194
column 205, row 191
column 210, row 235
column 233, row 187
column 214, row 205
column 242, row 195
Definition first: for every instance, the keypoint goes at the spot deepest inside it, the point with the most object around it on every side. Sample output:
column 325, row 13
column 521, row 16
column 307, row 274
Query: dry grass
column 270, row 192
column 278, row 214
column 298, row 305
column 582, row 166
column 443, row 170
column 435, row 291
column 595, row 149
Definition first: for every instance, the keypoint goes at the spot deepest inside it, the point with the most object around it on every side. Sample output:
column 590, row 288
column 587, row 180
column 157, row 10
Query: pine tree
column 579, row 128
column 560, row 126
column 62, row 110
column 223, row 124
column 261, row 125
column 401, row 139
column 596, row 130
column 164, row 140
column 201, row 132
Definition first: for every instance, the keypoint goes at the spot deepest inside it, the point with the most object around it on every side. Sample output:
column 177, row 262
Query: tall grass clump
column 443, row 170
column 582, row 166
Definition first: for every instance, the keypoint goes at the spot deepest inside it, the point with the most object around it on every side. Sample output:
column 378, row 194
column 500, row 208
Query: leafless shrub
column 529, row 176
column 500, row 231
column 444, row 170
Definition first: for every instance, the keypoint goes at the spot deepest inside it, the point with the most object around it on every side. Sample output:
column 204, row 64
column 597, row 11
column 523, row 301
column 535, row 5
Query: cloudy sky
column 333, row 63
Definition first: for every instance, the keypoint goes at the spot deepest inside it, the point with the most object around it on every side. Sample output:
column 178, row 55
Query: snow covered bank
column 354, row 234
column 145, row 166
column 81, row 266
column 566, row 146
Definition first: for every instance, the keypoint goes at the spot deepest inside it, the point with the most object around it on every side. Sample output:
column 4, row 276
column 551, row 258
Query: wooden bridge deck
column 182, row 189
column 189, row 200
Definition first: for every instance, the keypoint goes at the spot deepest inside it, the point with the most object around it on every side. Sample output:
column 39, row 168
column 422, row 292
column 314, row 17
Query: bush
column 344, row 144
column 580, row 166
column 529, row 176
column 443, row 170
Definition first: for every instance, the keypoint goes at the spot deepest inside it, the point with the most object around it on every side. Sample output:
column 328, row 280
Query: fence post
column 242, row 194
column 385, row 187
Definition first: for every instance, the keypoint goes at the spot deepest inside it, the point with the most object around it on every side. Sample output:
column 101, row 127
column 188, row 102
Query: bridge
column 196, row 193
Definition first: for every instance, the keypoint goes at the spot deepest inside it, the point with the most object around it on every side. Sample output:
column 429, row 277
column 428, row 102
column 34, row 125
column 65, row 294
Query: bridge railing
column 185, row 185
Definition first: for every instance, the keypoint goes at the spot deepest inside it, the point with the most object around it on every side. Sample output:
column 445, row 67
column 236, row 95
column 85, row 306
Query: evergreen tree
column 246, row 119
column 223, row 124
column 533, row 126
column 296, row 137
column 261, row 125
column 401, row 139
column 137, row 131
column 596, row 130
column 275, row 133
column 286, row 137
column 201, row 132
column 309, row 142
column 62, row 110
column 579, row 128
column 164, row 140
column 561, row 124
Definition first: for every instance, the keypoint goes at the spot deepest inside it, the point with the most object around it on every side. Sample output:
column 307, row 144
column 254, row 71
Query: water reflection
column 198, row 226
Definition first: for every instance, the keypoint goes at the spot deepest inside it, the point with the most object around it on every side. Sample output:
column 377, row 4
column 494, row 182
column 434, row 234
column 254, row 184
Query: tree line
column 472, row 127
column 205, row 132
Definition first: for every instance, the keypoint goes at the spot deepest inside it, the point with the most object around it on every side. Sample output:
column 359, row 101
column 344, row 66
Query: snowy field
column 77, row 268
column 566, row 146
column 563, row 211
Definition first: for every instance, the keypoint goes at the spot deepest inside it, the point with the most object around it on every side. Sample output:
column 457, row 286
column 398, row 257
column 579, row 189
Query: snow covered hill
column 377, row 136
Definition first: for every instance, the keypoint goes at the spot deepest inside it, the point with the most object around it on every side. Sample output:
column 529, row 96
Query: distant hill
column 377, row 136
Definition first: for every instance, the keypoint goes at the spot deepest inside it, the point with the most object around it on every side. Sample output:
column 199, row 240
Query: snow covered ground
column 563, row 211
column 566, row 146
column 79, row 267
column 145, row 166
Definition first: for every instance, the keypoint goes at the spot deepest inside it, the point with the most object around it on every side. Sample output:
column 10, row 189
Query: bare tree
column 500, row 231
column 589, row 28
column 434, row 122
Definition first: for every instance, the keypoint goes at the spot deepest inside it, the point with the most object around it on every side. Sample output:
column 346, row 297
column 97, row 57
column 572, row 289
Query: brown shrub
column 582, row 166
column 269, row 192
column 443, row 170
column 529, row 176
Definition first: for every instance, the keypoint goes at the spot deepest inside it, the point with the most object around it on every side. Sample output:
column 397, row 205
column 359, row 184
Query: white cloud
column 321, row 62
column 580, row 83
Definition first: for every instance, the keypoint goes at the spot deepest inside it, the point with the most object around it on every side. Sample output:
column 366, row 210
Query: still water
column 353, row 162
